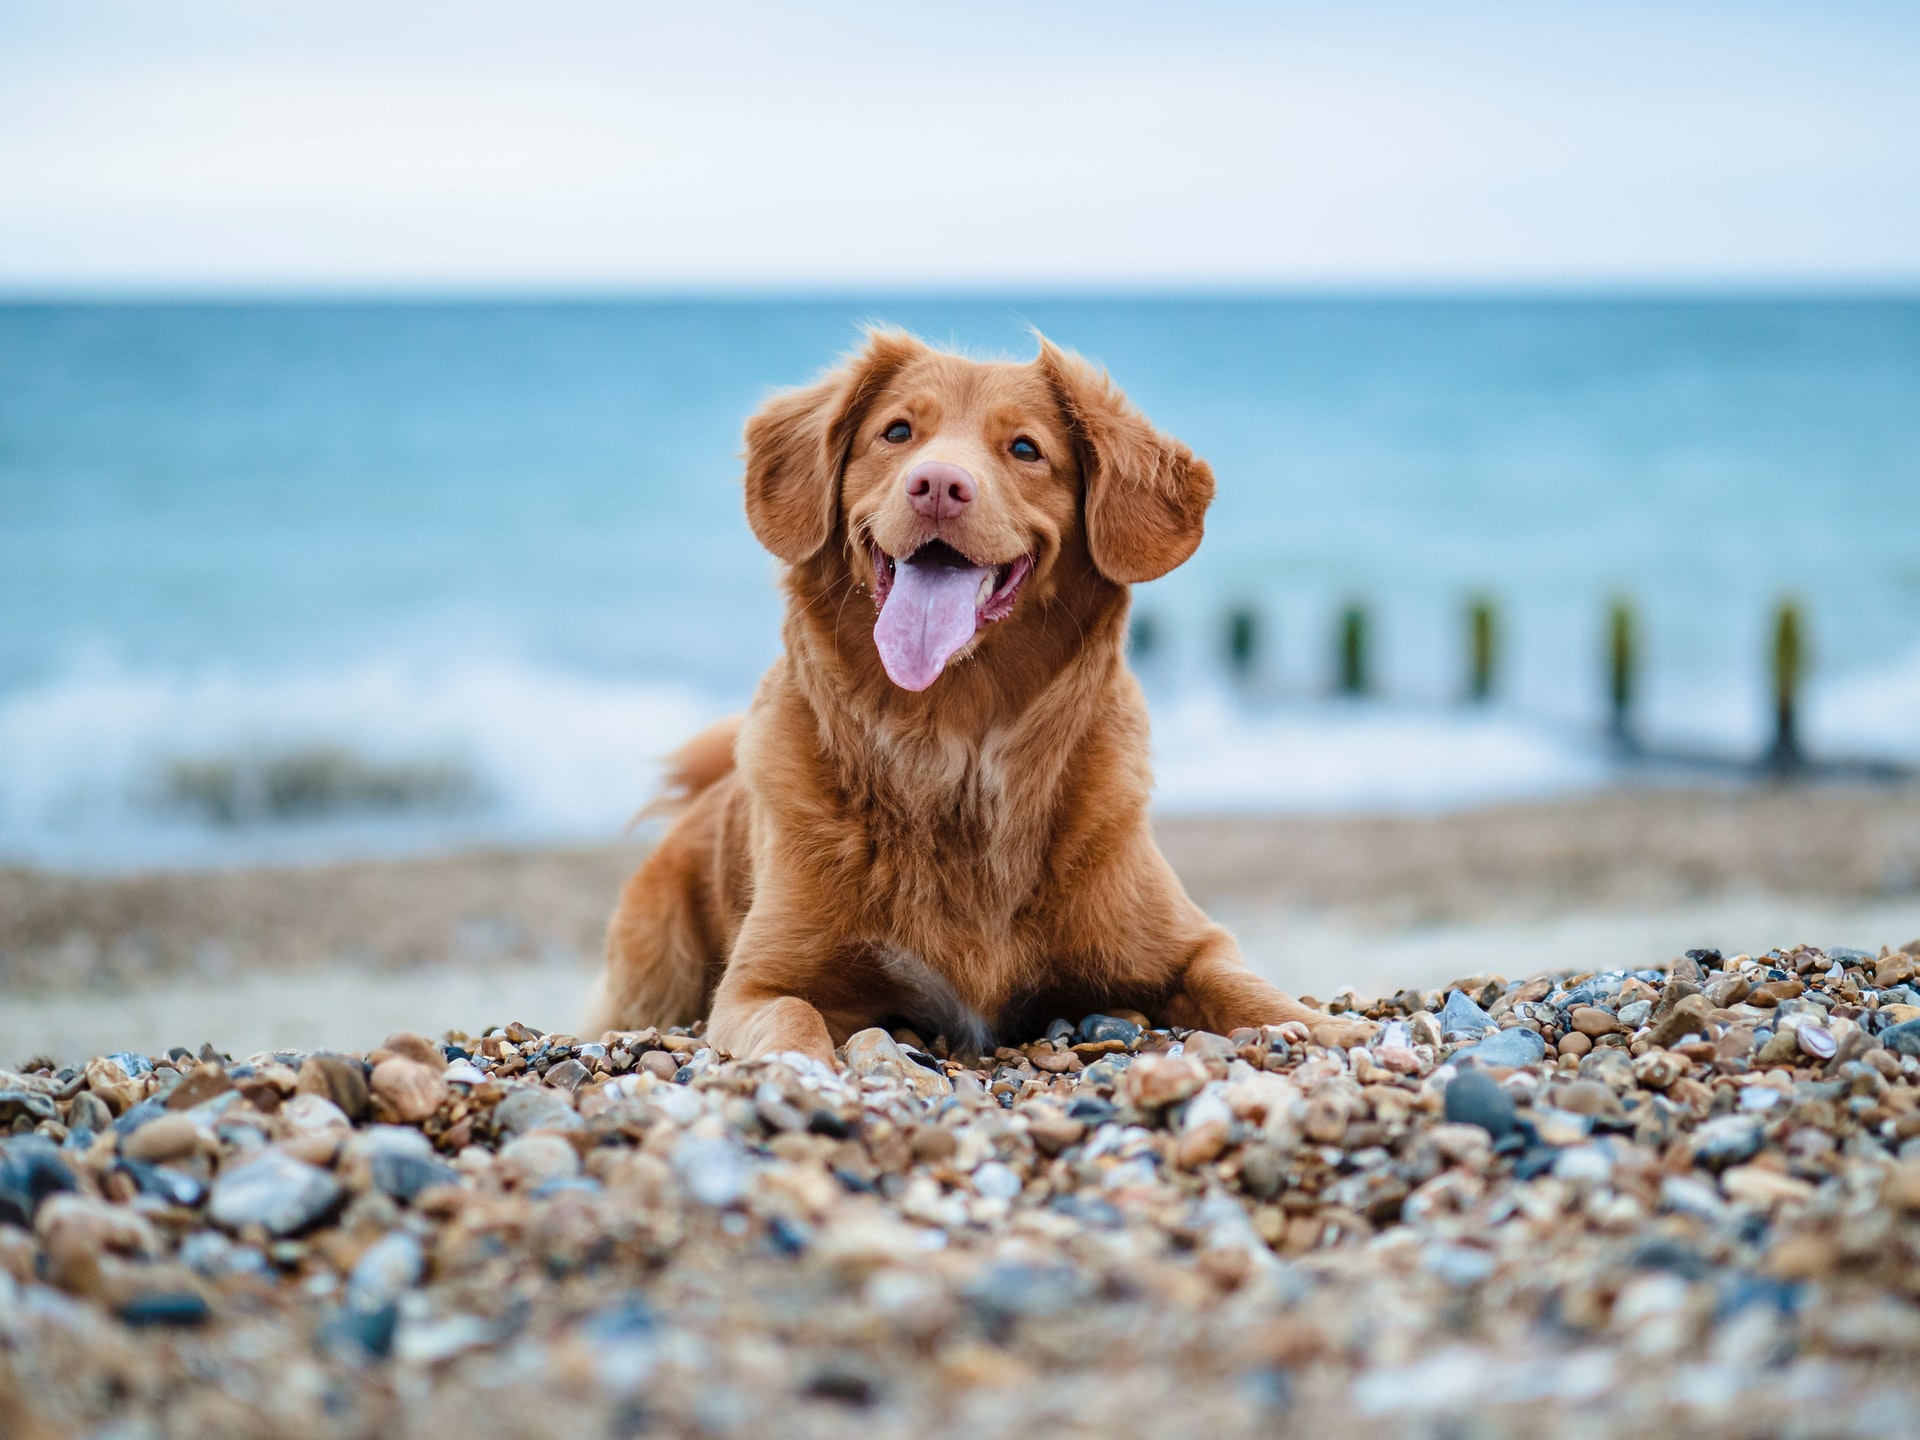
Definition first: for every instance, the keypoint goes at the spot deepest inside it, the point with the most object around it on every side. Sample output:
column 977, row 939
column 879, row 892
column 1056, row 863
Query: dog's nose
column 939, row 491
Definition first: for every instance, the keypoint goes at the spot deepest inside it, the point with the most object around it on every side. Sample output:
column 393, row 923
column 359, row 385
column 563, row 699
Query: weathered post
column 1621, row 664
column 1243, row 641
column 1352, row 676
column 1789, row 670
column 1480, row 650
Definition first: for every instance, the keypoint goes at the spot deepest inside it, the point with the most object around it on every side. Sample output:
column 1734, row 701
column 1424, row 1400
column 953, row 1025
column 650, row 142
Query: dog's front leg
column 778, row 991
column 1217, row 992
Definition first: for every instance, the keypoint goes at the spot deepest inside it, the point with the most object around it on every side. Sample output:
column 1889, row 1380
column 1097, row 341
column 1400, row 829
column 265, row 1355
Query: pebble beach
column 1683, row 1199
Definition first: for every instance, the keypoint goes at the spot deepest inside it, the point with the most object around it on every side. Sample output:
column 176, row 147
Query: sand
column 341, row 955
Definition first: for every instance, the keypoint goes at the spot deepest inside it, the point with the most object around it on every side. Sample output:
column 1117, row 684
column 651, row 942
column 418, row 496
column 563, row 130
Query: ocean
column 296, row 581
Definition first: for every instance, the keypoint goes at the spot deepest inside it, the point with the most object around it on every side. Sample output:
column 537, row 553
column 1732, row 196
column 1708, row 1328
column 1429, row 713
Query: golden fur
column 974, row 858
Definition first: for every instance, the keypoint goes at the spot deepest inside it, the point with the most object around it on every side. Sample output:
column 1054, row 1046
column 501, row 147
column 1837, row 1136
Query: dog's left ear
column 1146, row 493
column 797, row 446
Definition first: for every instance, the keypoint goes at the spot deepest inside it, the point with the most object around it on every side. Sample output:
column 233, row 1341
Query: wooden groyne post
column 1481, row 637
column 1350, row 670
column 1243, row 641
column 1622, row 661
column 1789, row 671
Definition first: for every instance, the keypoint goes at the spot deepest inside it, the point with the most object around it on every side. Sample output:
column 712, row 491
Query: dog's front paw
column 1343, row 1030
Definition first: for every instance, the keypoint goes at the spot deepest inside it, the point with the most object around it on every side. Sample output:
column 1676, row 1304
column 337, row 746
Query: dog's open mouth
column 932, row 603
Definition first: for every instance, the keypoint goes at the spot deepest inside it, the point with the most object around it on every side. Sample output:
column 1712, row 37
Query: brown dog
column 939, row 816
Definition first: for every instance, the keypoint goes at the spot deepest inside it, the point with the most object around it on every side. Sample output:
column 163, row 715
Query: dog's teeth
column 986, row 590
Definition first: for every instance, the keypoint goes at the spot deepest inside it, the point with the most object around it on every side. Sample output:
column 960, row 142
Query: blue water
column 494, row 553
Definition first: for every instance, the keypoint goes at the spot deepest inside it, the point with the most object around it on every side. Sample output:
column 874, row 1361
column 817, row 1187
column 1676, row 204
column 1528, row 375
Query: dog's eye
column 1024, row 449
column 897, row 432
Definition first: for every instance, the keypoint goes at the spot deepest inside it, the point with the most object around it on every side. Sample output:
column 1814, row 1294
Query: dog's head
column 963, row 494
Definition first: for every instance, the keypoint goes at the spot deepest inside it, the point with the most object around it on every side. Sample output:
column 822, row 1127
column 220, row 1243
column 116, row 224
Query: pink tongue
column 929, row 614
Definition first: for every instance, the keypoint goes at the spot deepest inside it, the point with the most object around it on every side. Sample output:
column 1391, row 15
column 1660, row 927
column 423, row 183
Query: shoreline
column 340, row 954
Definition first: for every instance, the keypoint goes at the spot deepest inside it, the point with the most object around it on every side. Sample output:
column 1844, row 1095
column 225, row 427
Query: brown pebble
column 409, row 1046
column 1587, row 1097
column 1053, row 1132
column 1328, row 1114
column 340, row 1080
column 1902, row 1186
column 1769, row 995
column 933, row 1144
column 1689, row 1017
column 1894, row 968
column 1592, row 1020
column 204, row 1083
column 171, row 1137
column 662, row 1064
column 1201, row 1145
column 1728, row 990
column 1658, row 1069
column 1156, row 1081
column 410, row 1090
column 1058, row 1062
column 1574, row 1043
column 1204, row 1045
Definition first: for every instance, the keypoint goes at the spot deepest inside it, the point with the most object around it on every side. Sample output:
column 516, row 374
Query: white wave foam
column 1212, row 756
column 92, row 765
column 110, row 767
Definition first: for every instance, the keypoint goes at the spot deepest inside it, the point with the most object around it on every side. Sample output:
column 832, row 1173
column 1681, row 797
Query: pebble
column 1902, row 1039
column 1099, row 1029
column 339, row 1080
column 873, row 1053
column 172, row 1308
column 1474, row 1098
column 412, row 1090
column 385, row 1271
column 170, row 1137
column 1460, row 1017
column 1507, row 1048
column 171, row 1187
column 537, row 1158
column 31, row 1169
column 1154, row 1082
column 528, row 1109
column 1592, row 1021
column 1728, row 1140
column 713, row 1170
column 1687, row 1017
column 282, row 1195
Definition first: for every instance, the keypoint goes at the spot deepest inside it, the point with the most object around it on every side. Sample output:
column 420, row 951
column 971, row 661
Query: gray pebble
column 1902, row 1039
column 1475, row 1098
column 390, row 1266
column 276, row 1191
column 1460, row 1016
column 1512, row 1048
column 1728, row 1140
column 530, row 1108
column 1096, row 1028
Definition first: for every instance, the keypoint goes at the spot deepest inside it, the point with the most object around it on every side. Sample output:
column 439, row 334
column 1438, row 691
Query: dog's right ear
column 797, row 447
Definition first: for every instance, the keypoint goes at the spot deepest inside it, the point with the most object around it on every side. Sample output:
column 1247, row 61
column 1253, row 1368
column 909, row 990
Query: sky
column 370, row 145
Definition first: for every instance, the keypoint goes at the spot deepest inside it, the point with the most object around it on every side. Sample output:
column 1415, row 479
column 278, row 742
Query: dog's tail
column 697, row 766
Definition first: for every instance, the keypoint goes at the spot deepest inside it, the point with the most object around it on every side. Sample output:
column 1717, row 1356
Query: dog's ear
column 1146, row 494
column 797, row 446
